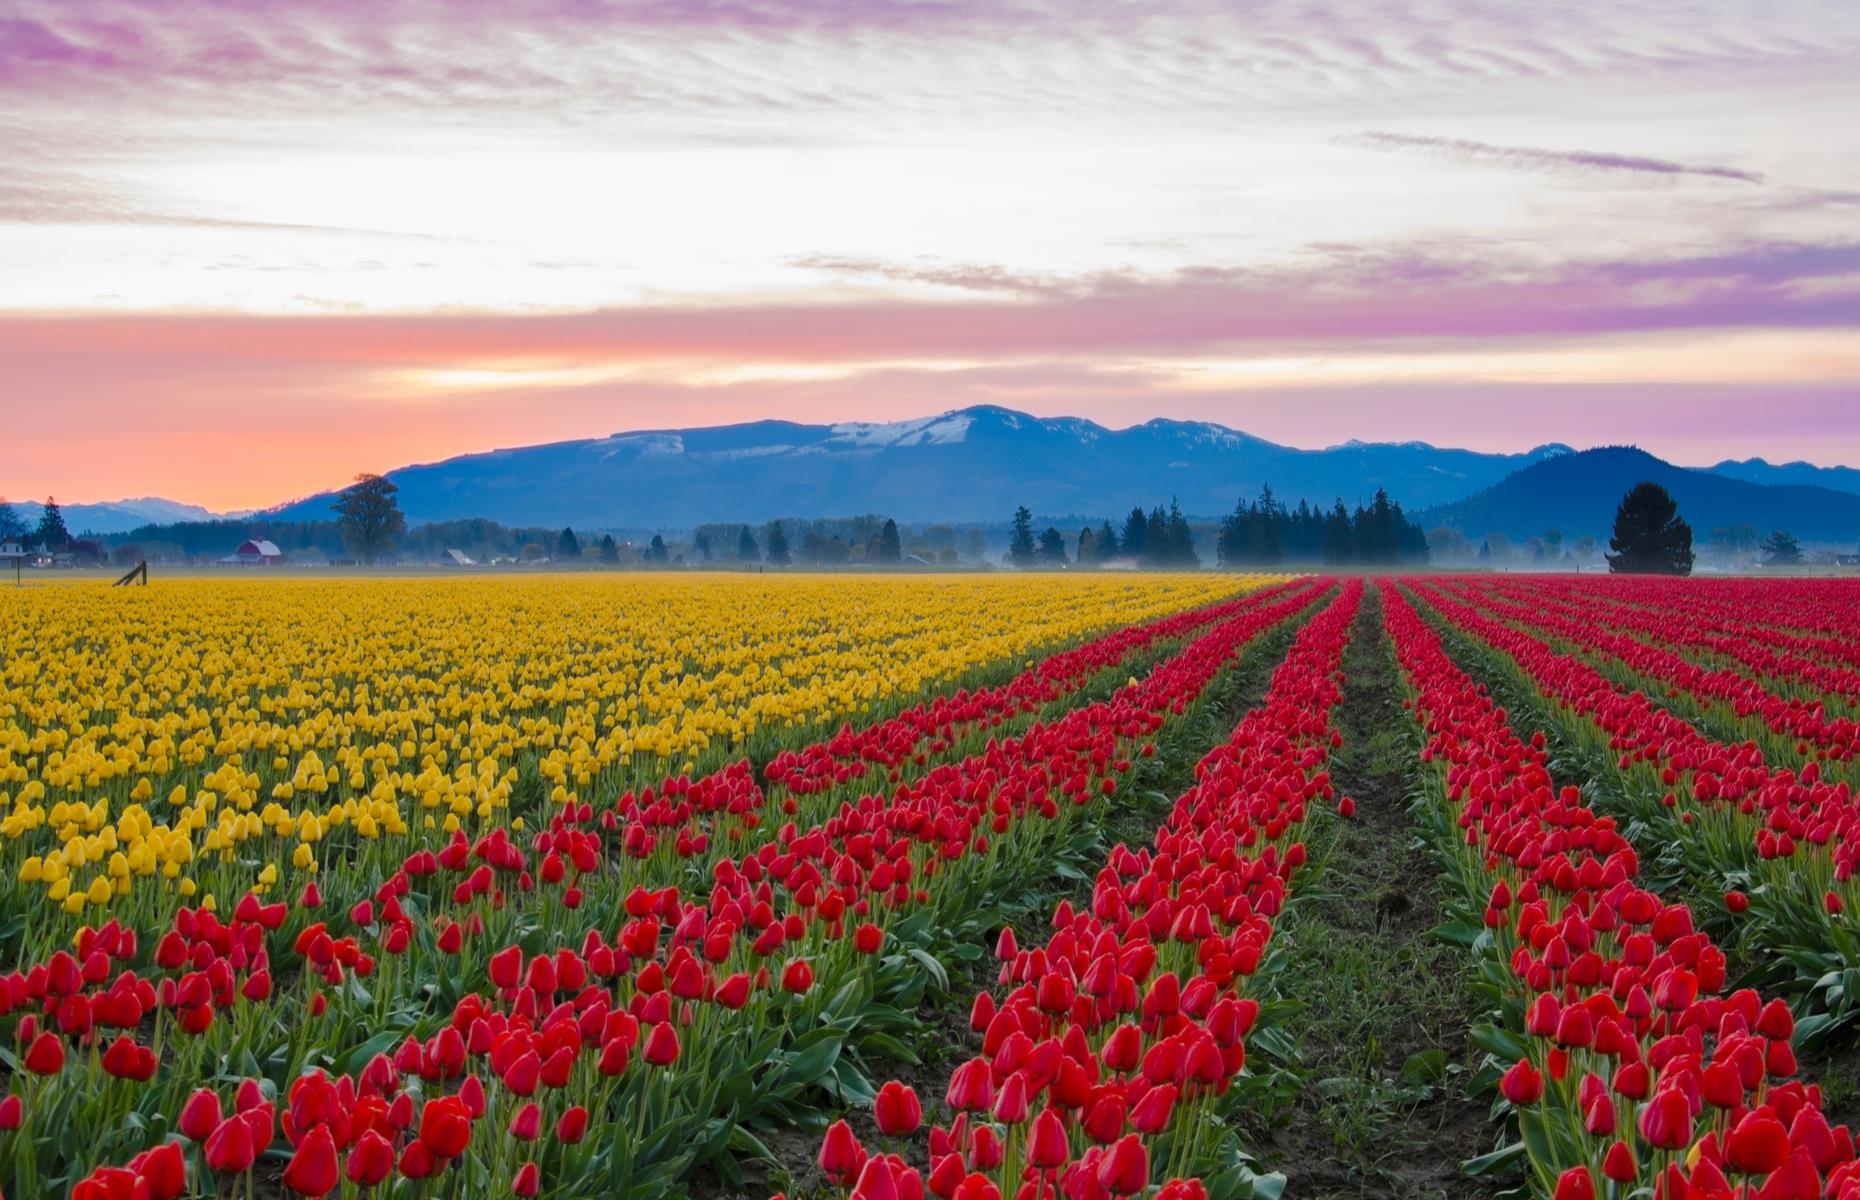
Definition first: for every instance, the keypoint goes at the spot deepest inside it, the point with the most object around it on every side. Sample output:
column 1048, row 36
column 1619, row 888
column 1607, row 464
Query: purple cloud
column 1531, row 158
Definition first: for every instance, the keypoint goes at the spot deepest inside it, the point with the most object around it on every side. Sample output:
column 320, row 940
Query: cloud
column 33, row 196
column 1530, row 158
column 963, row 277
column 711, row 56
column 1391, row 299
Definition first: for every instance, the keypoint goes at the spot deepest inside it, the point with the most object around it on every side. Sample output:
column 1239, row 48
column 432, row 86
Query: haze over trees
column 1781, row 549
column 1264, row 532
column 1649, row 536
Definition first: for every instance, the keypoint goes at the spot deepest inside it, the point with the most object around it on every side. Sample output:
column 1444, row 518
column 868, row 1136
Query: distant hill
column 115, row 516
column 1757, row 470
column 1577, row 494
column 975, row 464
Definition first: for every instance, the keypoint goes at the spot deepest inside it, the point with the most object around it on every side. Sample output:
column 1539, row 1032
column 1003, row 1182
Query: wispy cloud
column 966, row 277
column 1531, row 158
column 1387, row 299
column 30, row 196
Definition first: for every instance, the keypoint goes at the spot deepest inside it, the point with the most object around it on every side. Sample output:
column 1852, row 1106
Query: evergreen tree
column 777, row 542
column 889, row 550
column 746, row 549
column 370, row 516
column 1104, row 547
column 12, row 528
column 1181, row 538
column 1053, row 547
column 1156, row 548
column 1087, row 550
column 1375, row 532
column 568, row 545
column 610, row 553
column 657, row 551
column 1136, row 534
column 1649, row 537
column 51, row 534
column 701, row 544
column 1020, row 543
column 1230, row 545
column 1339, row 537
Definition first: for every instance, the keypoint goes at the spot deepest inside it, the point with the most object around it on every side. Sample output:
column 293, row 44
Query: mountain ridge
column 966, row 464
column 1577, row 494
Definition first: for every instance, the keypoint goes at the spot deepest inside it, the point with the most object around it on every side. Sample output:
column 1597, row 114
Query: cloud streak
column 1531, row 158
column 1388, row 300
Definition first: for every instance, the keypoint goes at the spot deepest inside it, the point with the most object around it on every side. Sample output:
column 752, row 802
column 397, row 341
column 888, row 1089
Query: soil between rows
column 1386, row 1006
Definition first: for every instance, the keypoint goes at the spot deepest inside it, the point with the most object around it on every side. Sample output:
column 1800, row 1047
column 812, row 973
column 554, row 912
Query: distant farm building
column 456, row 558
column 255, row 553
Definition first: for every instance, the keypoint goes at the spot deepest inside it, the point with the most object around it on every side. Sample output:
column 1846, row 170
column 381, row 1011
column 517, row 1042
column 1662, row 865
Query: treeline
column 1264, row 531
column 194, row 540
column 1161, row 537
column 868, row 538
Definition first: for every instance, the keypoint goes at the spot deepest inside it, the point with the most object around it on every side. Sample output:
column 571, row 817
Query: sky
column 249, row 248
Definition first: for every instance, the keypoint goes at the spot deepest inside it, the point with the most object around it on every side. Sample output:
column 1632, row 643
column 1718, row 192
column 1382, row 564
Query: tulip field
column 974, row 887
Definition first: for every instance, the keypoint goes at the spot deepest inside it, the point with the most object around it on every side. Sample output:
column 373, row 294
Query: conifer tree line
column 1265, row 531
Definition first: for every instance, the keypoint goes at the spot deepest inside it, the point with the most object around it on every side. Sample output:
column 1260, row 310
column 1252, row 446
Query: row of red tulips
column 936, row 723
column 1104, row 1060
column 1791, row 728
column 1778, row 845
column 1716, row 625
column 685, row 822
column 675, row 1033
column 1635, row 1074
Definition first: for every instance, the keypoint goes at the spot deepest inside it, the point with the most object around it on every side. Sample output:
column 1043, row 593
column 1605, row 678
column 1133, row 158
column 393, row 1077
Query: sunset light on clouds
column 233, row 234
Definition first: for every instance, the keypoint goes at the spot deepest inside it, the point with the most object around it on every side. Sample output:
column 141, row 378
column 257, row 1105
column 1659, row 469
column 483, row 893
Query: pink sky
column 247, row 250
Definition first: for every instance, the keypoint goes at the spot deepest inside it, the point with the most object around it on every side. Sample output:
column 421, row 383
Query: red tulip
column 797, row 977
column 572, row 1126
column 1666, row 1120
column 1575, row 1184
column 370, row 1159
column 229, row 1150
column 46, row 1055
column 971, row 1087
column 841, row 1156
column 313, row 1170
column 1757, row 1145
column 527, row 1181
column 445, row 1127
column 200, row 1116
column 1522, row 1085
column 1047, row 1146
column 662, row 1045
column 163, row 1169
column 1125, row 1168
column 897, row 1110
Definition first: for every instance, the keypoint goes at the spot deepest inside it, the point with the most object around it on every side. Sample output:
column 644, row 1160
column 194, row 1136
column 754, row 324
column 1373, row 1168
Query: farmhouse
column 254, row 553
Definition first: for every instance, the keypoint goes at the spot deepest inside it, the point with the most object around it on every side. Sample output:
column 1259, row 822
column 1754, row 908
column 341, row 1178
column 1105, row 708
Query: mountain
column 975, row 464
column 1757, row 470
column 1577, row 494
column 116, row 516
